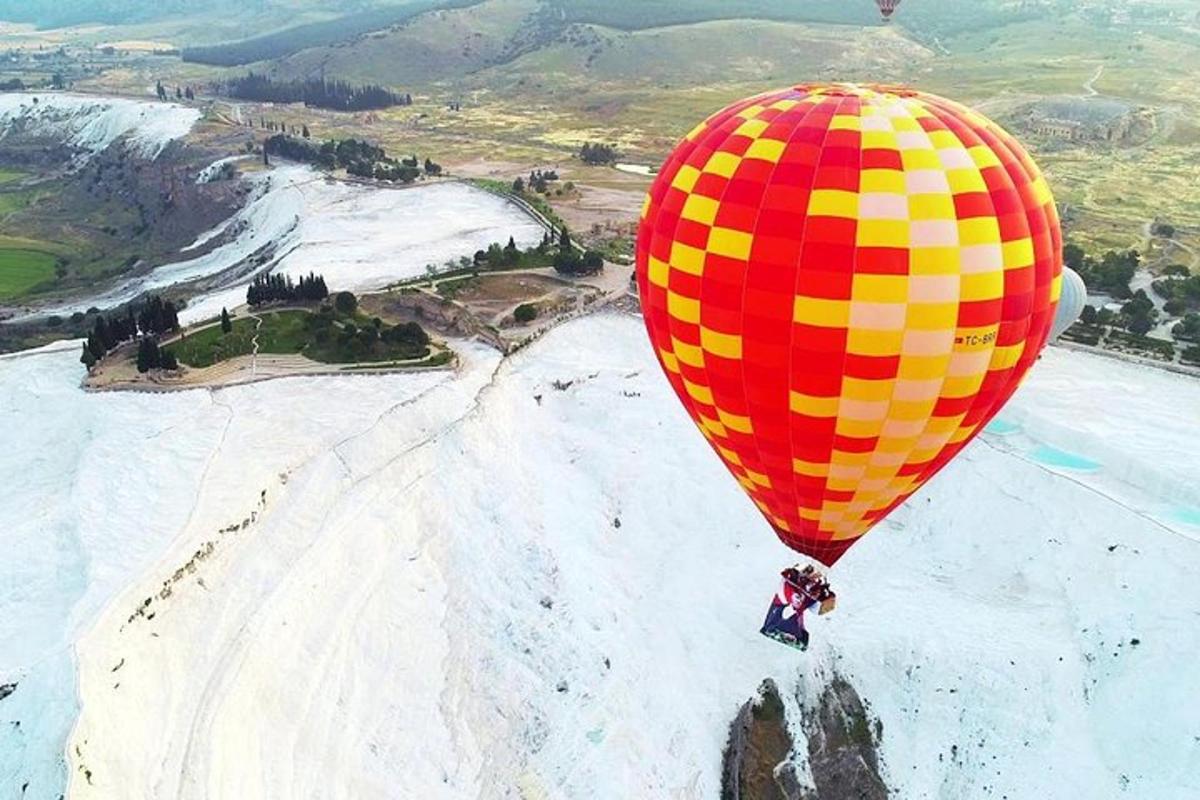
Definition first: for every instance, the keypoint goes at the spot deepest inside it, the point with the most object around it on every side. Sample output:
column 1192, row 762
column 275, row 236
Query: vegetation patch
column 21, row 270
column 1141, row 345
column 13, row 201
column 316, row 34
column 525, row 313
column 314, row 92
column 360, row 159
column 332, row 334
column 206, row 347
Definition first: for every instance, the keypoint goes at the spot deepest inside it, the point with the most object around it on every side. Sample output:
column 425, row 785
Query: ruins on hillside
column 1087, row 119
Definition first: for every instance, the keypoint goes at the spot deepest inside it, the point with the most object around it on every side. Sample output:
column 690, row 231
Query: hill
column 586, row 626
column 50, row 13
column 545, row 76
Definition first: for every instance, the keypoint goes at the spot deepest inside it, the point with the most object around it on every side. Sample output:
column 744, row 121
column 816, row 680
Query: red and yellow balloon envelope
column 844, row 284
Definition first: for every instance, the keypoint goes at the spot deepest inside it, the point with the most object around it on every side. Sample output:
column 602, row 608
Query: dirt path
column 258, row 323
column 1090, row 85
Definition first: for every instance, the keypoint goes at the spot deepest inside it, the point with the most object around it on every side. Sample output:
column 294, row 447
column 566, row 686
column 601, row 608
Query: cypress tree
column 148, row 357
column 226, row 323
column 87, row 359
column 95, row 346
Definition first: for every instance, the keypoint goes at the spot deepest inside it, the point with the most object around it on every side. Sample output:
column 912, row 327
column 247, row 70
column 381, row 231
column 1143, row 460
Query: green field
column 21, row 270
column 207, row 347
column 282, row 333
column 13, row 201
column 316, row 336
column 8, row 175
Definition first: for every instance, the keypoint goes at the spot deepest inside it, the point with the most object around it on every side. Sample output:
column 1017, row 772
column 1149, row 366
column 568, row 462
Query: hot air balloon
column 1070, row 302
column 843, row 284
column 887, row 8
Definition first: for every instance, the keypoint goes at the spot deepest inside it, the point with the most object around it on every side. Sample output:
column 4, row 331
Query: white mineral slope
column 94, row 489
column 93, row 123
column 75, row 527
column 503, row 590
column 361, row 238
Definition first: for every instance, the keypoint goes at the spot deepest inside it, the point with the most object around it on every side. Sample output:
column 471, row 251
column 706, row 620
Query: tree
column 149, row 357
column 1073, row 256
column 1140, row 303
column 526, row 312
column 567, row 262
column 304, row 132
column 518, row 186
column 169, row 361
column 313, row 92
column 88, row 359
column 511, row 254
column 1189, row 328
column 95, row 346
column 598, row 154
column 1141, row 325
column 593, row 261
column 1088, row 315
column 345, row 302
column 564, row 239
column 226, row 323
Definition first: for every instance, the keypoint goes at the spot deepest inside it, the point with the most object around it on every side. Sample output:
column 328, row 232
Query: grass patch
column 8, row 175
column 454, row 287
column 438, row 359
column 13, row 201
column 284, row 333
column 323, row 336
column 211, row 345
column 21, row 270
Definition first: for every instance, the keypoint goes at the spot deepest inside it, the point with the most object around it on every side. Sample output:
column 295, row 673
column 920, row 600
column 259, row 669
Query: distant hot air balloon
column 1070, row 303
column 843, row 284
column 887, row 8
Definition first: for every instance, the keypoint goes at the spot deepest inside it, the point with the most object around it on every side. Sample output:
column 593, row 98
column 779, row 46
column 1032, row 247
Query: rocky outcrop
column 838, row 760
column 842, row 746
column 759, row 745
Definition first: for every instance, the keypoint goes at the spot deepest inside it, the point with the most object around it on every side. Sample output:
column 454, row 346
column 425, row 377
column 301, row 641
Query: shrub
column 526, row 312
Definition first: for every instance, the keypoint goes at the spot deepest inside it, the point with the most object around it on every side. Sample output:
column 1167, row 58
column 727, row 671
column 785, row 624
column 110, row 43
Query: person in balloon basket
column 800, row 590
